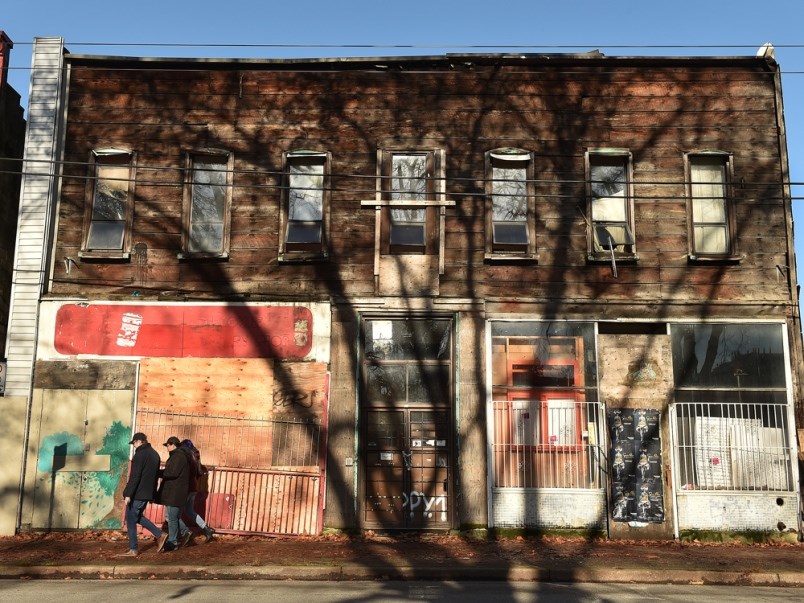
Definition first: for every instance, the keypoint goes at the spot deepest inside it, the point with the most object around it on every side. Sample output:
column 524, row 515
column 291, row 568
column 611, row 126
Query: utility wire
column 181, row 169
column 431, row 46
column 369, row 193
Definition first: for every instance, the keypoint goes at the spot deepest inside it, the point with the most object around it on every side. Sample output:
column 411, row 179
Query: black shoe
column 208, row 533
column 185, row 538
column 168, row 546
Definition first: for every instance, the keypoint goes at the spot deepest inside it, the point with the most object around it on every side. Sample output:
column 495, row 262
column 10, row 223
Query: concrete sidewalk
column 407, row 558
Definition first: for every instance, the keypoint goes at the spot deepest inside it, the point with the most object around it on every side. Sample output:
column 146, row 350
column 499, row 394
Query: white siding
column 36, row 205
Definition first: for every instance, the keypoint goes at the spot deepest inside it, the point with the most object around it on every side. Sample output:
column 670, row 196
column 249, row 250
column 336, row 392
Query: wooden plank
column 86, row 374
column 233, row 387
column 219, row 386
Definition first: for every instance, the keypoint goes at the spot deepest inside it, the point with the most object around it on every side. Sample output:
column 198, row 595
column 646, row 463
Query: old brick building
column 520, row 291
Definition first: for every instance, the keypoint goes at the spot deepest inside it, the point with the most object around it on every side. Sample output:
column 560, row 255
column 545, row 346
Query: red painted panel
column 182, row 331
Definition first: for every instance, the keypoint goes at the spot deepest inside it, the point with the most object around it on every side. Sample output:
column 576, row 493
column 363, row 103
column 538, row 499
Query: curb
column 404, row 573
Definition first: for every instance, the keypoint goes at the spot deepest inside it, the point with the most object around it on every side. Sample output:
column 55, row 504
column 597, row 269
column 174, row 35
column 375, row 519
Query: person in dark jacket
column 140, row 490
column 198, row 473
column 173, row 494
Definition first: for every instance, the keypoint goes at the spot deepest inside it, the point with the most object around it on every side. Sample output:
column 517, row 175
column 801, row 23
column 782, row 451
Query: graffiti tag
column 415, row 499
column 295, row 398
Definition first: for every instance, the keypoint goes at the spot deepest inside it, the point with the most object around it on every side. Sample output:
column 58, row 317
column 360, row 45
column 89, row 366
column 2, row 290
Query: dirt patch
column 426, row 550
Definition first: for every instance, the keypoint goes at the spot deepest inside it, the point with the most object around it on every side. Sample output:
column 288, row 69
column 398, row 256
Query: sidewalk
column 406, row 557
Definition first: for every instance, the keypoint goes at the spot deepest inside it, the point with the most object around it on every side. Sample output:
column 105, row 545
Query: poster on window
column 636, row 465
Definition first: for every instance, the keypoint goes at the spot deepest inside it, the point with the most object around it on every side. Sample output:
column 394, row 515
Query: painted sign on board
column 184, row 331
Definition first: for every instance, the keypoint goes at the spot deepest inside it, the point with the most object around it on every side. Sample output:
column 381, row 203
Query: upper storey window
column 409, row 224
column 509, row 203
column 207, row 202
column 305, row 207
column 708, row 177
column 609, row 190
column 110, row 206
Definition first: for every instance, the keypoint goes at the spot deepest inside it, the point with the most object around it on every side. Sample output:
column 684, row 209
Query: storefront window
column 731, row 412
column 544, row 397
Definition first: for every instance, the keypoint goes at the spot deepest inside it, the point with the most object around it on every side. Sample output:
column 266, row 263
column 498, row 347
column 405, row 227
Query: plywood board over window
column 241, row 387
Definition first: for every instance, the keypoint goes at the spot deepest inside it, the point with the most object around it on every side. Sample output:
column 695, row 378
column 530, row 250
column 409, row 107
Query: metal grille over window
column 733, row 446
column 731, row 418
column 547, row 419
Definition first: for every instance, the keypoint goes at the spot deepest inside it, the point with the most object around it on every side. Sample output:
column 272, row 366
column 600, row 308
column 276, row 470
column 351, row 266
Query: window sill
column 510, row 258
column 410, row 251
column 716, row 260
column 527, row 448
column 104, row 256
column 219, row 257
column 603, row 258
column 303, row 257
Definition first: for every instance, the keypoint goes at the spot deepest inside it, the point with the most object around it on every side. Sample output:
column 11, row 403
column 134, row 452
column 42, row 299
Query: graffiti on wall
column 419, row 501
column 67, row 480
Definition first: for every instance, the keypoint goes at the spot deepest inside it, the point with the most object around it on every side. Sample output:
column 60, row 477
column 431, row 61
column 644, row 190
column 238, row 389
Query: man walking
column 197, row 473
column 140, row 490
column 173, row 494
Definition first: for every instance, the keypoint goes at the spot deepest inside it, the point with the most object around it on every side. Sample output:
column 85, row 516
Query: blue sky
column 318, row 28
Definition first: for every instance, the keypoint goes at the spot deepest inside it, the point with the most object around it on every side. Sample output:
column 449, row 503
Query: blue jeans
column 134, row 516
column 189, row 511
column 176, row 526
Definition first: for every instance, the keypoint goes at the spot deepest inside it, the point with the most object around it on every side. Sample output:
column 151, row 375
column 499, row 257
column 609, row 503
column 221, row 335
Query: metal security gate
column 265, row 476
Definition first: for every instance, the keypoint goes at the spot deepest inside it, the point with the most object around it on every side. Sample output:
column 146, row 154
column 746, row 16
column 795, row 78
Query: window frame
column 730, row 253
column 114, row 157
column 760, row 395
column 191, row 156
column 433, row 166
column 304, row 251
column 595, row 250
column 510, row 251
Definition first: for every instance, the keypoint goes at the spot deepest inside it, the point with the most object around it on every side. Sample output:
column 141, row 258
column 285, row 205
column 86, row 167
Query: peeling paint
column 116, row 445
column 97, row 490
column 67, row 444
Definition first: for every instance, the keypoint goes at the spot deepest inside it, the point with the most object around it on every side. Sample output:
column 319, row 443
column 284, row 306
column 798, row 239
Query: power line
column 367, row 193
column 416, row 46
